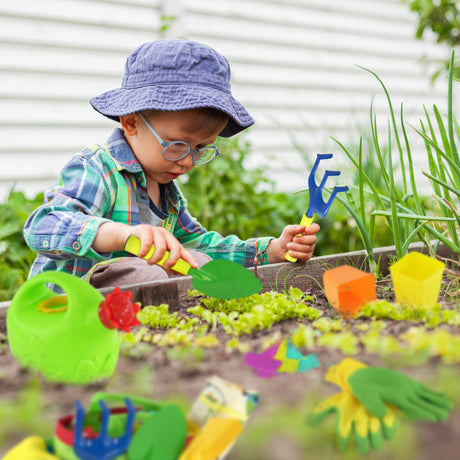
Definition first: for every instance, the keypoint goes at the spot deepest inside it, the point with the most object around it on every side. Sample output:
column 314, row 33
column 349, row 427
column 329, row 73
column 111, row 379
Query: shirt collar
column 124, row 157
column 120, row 151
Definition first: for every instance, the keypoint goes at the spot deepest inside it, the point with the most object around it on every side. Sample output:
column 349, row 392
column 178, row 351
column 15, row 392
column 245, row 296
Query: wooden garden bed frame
column 275, row 276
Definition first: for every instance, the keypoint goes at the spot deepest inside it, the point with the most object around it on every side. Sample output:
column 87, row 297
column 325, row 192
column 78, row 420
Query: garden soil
column 160, row 377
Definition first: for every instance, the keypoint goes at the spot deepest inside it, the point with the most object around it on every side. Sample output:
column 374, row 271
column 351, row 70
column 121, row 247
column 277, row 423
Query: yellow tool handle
column 307, row 222
column 133, row 245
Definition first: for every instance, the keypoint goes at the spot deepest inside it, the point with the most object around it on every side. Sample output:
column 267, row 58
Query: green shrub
column 15, row 256
column 228, row 198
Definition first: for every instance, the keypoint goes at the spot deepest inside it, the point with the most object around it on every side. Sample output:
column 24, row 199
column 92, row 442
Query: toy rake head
column 317, row 204
column 102, row 447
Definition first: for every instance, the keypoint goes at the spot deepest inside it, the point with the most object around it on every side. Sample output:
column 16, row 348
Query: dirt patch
column 161, row 376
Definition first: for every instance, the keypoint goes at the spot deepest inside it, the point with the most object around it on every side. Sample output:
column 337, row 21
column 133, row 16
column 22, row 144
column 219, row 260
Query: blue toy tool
column 316, row 203
column 103, row 447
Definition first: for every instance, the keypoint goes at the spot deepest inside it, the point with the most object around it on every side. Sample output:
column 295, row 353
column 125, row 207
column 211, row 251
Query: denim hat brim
column 172, row 75
column 173, row 97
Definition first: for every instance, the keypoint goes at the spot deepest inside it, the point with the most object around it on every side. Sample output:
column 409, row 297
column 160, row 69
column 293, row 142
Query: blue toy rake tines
column 316, row 203
column 103, row 447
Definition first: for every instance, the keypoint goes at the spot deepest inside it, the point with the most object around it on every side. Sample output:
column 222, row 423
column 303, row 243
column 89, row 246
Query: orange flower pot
column 348, row 288
column 417, row 279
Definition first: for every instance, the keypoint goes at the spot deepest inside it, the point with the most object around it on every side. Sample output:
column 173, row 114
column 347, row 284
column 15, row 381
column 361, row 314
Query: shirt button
column 76, row 246
column 45, row 243
column 143, row 195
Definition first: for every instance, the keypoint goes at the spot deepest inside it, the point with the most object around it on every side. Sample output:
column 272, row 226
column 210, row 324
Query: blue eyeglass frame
column 192, row 151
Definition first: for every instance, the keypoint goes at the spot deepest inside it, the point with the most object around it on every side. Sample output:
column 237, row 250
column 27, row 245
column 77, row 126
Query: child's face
column 170, row 126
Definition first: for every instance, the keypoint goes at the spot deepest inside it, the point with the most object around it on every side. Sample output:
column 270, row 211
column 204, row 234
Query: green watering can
column 61, row 336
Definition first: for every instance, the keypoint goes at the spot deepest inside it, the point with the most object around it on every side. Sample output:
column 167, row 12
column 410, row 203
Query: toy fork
column 316, row 203
column 103, row 447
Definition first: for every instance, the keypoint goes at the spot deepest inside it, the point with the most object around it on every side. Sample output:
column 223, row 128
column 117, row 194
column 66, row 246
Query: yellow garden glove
column 353, row 418
column 377, row 388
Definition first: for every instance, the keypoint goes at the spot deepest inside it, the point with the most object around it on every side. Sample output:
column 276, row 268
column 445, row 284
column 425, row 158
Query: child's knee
column 131, row 270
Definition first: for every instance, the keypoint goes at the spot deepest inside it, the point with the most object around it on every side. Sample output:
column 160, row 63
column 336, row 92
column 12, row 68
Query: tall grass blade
column 455, row 155
column 395, row 128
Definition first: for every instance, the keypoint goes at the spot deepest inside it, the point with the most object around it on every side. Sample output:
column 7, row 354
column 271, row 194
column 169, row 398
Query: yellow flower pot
column 417, row 280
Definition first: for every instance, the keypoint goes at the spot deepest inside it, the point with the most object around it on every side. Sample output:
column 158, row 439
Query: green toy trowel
column 219, row 278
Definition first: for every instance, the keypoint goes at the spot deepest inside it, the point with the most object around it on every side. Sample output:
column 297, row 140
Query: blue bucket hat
column 175, row 75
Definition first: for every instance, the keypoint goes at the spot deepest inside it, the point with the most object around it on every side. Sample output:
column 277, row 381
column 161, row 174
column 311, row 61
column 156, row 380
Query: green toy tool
column 220, row 278
column 161, row 436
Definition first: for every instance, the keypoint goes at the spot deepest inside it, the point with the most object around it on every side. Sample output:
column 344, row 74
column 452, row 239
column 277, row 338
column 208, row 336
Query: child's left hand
column 298, row 240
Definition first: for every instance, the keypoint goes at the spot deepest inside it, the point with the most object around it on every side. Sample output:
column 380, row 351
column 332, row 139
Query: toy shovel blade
column 220, row 278
column 160, row 437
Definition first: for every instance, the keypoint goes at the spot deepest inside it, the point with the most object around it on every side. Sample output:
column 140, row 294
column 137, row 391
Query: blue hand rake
column 316, row 203
column 103, row 447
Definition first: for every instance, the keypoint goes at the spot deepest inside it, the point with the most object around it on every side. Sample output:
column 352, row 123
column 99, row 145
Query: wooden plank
column 275, row 276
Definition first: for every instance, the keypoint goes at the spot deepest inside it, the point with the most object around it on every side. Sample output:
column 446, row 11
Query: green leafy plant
column 405, row 214
column 15, row 256
column 442, row 17
column 226, row 196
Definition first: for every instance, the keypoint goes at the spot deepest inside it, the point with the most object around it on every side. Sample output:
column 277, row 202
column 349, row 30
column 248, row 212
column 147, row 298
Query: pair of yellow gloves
column 370, row 400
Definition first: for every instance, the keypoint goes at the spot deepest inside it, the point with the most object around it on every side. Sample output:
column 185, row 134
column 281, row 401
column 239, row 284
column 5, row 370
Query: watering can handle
column 133, row 246
column 307, row 222
column 144, row 403
column 75, row 289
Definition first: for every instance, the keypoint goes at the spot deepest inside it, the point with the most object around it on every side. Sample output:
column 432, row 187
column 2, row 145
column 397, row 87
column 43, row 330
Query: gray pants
column 133, row 270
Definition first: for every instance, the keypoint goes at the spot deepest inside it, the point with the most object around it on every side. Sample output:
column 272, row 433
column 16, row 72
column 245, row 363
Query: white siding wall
column 293, row 64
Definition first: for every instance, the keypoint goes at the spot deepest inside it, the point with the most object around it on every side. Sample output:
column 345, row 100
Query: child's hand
column 298, row 240
column 163, row 241
column 112, row 236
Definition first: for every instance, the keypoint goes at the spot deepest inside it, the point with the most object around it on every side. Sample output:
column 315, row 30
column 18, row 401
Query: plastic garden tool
column 61, row 336
column 353, row 418
column 213, row 439
column 160, row 427
column 264, row 364
column 103, row 446
column 31, row 448
column 316, row 203
column 65, row 431
column 289, row 366
column 219, row 278
column 161, row 436
column 376, row 388
column 221, row 399
column 305, row 363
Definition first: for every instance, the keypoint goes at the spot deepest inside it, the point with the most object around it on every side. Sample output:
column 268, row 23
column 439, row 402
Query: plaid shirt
column 105, row 184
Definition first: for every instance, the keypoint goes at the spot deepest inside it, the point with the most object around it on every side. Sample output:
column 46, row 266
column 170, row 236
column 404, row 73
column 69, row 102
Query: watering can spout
column 118, row 312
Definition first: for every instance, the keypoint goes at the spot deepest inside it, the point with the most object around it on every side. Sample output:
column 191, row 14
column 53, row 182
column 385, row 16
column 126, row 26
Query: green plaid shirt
column 106, row 184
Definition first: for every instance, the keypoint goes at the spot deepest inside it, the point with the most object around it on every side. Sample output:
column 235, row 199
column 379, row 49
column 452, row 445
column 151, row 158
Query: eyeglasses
column 176, row 150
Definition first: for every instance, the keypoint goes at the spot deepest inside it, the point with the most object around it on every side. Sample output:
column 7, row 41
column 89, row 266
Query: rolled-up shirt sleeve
column 193, row 236
column 66, row 225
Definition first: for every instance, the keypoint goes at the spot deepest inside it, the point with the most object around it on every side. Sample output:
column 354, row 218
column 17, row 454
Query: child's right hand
column 163, row 240
column 112, row 236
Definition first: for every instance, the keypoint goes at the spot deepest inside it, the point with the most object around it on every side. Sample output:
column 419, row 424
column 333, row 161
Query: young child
column 175, row 99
